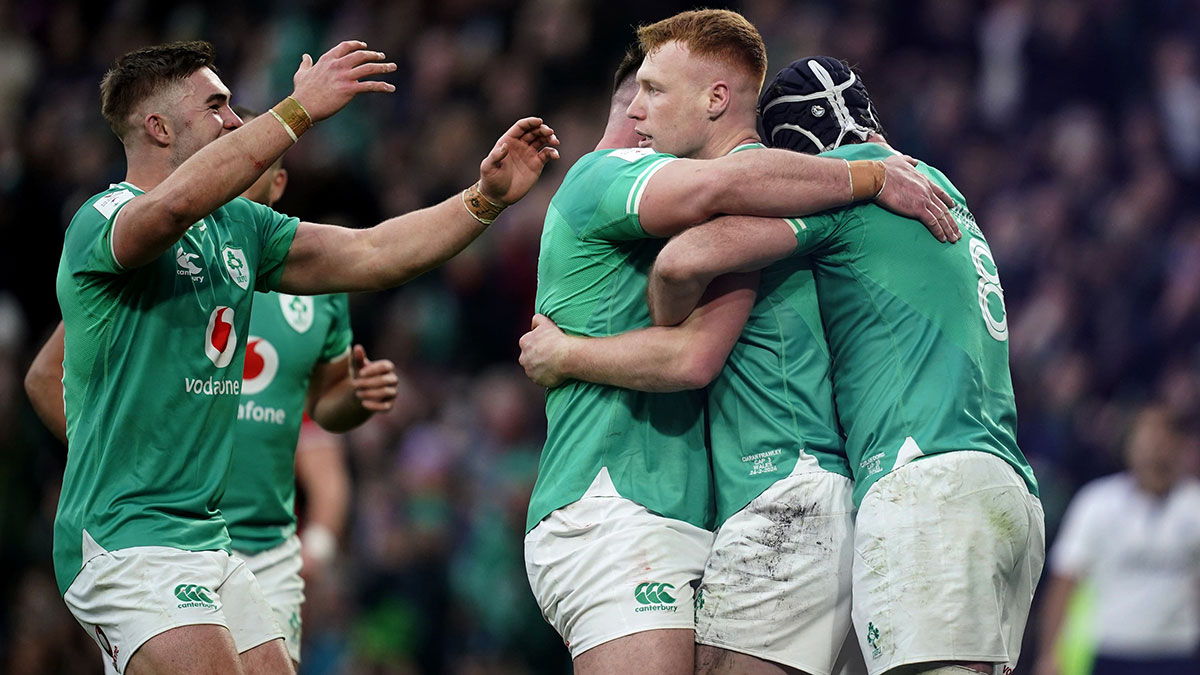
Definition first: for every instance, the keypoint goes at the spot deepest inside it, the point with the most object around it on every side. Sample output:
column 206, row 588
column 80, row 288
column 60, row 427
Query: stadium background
column 1072, row 127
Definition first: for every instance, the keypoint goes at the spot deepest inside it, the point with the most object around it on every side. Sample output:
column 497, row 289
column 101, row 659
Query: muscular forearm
column 43, row 384
column 661, row 359
column 770, row 183
column 690, row 261
column 328, row 259
column 651, row 359
column 782, row 183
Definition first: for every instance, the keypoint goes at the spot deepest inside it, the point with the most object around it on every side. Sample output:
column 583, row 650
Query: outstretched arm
column 327, row 259
column 782, row 183
column 151, row 223
column 690, row 261
column 43, row 384
column 657, row 359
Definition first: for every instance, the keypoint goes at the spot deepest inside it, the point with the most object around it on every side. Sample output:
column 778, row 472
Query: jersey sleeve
column 87, row 244
column 275, row 234
column 1074, row 548
column 611, row 184
column 815, row 231
column 339, row 337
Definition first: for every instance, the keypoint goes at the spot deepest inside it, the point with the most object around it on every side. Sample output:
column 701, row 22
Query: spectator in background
column 1134, row 538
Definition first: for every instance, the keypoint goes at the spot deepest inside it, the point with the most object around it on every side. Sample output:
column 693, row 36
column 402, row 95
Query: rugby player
column 618, row 522
column 298, row 359
column 949, row 537
column 156, row 284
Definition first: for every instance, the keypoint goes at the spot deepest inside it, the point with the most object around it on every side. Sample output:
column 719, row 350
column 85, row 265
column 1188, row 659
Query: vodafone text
column 253, row 411
column 212, row 387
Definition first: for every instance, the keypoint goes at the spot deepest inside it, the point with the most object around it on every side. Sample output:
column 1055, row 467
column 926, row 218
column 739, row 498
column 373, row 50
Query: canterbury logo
column 651, row 593
column 193, row 593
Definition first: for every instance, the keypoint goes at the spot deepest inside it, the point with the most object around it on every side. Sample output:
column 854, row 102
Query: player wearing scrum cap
column 617, row 539
column 949, row 537
column 155, row 284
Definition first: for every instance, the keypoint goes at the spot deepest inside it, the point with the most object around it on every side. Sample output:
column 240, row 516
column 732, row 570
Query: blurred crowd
column 1073, row 128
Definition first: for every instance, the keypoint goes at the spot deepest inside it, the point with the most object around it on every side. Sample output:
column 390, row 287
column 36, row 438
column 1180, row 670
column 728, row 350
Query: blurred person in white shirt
column 1134, row 538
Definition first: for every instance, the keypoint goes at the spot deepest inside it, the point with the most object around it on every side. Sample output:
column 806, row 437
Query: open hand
column 325, row 87
column 542, row 352
column 375, row 382
column 909, row 193
column 513, row 166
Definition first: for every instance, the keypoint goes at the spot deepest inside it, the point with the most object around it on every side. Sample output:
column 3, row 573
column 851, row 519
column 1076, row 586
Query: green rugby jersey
column 151, row 376
column 918, row 334
column 289, row 336
column 772, row 405
column 592, row 273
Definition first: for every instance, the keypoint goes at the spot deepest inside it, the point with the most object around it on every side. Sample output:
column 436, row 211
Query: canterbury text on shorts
column 605, row 567
column 125, row 597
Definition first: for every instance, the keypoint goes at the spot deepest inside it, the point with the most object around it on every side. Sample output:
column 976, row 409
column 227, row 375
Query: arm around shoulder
column 655, row 359
column 690, row 261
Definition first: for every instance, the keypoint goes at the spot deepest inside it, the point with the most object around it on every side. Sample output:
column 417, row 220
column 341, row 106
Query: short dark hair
column 630, row 62
column 144, row 72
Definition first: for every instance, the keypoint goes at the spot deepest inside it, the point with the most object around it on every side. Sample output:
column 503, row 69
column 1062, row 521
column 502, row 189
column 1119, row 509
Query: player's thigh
column 947, row 552
column 277, row 571
column 653, row 652
column 269, row 658
column 777, row 584
column 604, row 568
column 718, row 661
column 187, row 650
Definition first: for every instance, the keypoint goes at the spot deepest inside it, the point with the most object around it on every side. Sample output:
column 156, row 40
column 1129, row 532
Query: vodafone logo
column 262, row 362
column 220, row 340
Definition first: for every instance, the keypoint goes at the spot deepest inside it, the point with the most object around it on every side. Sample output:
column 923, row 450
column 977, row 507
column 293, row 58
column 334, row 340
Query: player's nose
column 232, row 121
column 636, row 110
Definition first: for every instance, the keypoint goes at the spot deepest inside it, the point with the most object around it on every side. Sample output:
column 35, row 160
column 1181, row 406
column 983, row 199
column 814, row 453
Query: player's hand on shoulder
column 910, row 193
column 543, row 350
column 513, row 166
column 326, row 86
column 375, row 382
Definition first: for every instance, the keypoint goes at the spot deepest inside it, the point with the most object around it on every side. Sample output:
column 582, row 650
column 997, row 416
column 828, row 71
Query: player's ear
column 278, row 185
column 718, row 99
column 158, row 128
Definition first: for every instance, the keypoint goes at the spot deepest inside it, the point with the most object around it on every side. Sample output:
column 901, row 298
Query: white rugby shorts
column 948, row 550
column 777, row 584
column 605, row 567
column 125, row 597
column 278, row 573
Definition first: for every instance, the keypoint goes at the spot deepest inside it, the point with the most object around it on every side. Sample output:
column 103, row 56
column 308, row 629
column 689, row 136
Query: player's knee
column 269, row 658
